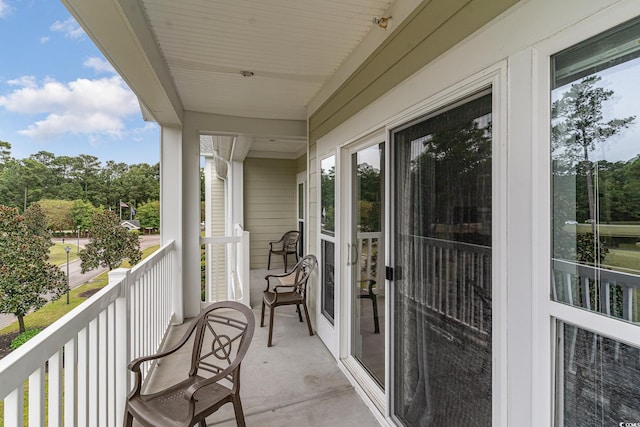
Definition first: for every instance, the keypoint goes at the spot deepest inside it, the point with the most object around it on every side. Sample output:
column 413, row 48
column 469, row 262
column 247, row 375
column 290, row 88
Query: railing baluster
column 14, row 408
column 36, row 397
column 111, row 365
column 103, row 352
column 94, row 356
column 83, row 376
column 70, row 396
column 55, row 389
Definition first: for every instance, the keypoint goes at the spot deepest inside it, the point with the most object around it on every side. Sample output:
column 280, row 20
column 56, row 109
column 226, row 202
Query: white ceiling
column 185, row 58
column 292, row 47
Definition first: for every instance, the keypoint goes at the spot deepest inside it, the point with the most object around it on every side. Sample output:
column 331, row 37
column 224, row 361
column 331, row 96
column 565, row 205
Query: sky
column 59, row 94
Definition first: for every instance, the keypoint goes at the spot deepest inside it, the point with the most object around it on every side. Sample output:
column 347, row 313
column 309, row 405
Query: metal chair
column 288, row 244
column 295, row 284
column 223, row 332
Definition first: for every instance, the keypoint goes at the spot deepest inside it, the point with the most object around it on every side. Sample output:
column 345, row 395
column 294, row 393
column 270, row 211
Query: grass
column 58, row 256
column 624, row 260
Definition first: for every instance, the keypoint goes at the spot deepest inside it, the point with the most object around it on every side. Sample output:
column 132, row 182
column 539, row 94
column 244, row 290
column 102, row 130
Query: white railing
column 81, row 358
column 227, row 267
column 455, row 279
column 370, row 263
column 607, row 291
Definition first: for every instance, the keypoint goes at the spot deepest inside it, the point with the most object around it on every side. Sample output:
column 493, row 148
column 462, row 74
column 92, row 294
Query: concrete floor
column 294, row 383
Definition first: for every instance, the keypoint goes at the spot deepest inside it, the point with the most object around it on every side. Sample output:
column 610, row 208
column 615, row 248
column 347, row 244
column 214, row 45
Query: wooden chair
column 288, row 244
column 223, row 332
column 290, row 289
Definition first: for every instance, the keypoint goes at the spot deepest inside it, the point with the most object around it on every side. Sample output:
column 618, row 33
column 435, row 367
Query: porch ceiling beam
column 234, row 125
column 120, row 30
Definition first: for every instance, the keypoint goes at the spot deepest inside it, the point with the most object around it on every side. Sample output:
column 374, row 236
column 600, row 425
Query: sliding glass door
column 366, row 259
column 442, row 255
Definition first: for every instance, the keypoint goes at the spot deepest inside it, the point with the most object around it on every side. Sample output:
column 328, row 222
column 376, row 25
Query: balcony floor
column 295, row 382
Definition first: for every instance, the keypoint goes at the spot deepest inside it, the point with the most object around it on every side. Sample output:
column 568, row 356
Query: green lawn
column 627, row 261
column 58, row 256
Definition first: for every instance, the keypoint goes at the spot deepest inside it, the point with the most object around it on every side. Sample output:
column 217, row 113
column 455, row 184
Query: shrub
column 23, row 338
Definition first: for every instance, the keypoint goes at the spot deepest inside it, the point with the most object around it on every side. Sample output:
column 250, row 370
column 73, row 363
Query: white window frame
column 546, row 311
column 329, row 333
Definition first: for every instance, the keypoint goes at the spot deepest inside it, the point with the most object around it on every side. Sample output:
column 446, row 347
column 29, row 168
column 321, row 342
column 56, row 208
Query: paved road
column 76, row 278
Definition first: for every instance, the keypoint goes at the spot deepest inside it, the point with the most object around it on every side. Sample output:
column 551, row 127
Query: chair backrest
column 290, row 241
column 223, row 333
column 302, row 272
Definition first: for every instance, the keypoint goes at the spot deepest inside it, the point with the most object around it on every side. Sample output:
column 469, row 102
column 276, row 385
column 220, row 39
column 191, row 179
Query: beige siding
column 217, row 204
column 301, row 164
column 269, row 205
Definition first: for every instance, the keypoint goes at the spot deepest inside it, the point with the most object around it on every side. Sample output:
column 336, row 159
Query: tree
column 579, row 125
column 149, row 215
column 58, row 213
column 110, row 243
column 81, row 213
column 5, row 153
column 26, row 278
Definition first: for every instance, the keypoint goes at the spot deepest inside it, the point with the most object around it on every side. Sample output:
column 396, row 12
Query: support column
column 171, row 182
column 190, row 191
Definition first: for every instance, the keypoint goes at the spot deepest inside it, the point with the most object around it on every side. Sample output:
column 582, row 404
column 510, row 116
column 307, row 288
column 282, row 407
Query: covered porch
column 295, row 382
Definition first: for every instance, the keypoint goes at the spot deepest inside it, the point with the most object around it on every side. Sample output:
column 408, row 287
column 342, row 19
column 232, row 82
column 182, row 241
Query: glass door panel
column 443, row 260
column 367, row 257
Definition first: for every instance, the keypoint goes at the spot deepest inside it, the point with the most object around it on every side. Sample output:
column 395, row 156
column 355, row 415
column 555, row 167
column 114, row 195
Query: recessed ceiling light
column 247, row 73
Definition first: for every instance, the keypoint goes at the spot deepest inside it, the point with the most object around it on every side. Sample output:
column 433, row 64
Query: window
column 327, row 230
column 595, row 266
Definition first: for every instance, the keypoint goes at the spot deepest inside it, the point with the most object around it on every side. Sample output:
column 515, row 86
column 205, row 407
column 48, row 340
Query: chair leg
column 202, row 423
column 376, row 323
column 237, row 408
column 262, row 315
column 269, row 263
column 299, row 312
column 306, row 314
column 271, row 310
column 285, row 261
column 128, row 419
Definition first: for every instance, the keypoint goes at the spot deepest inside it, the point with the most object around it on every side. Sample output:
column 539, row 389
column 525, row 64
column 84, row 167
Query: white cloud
column 99, row 65
column 24, row 81
column 70, row 28
column 78, row 107
column 44, row 39
column 4, row 9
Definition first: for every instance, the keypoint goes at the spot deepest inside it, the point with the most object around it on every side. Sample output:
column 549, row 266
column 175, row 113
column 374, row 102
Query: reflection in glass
column 596, row 379
column 596, row 173
column 327, row 197
column 367, row 313
column 442, row 255
column 328, row 279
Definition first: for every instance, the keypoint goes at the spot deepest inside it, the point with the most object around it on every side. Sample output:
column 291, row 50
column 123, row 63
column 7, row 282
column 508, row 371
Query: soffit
column 292, row 47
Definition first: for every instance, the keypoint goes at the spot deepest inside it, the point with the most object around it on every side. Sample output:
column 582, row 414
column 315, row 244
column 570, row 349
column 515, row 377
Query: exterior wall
column 269, row 205
column 514, row 49
column 301, row 164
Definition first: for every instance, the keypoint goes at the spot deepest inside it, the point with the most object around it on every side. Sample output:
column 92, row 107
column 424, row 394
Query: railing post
column 122, row 340
column 244, row 269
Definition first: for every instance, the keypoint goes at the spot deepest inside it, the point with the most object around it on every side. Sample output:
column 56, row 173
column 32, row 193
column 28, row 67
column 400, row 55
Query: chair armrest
column 134, row 365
